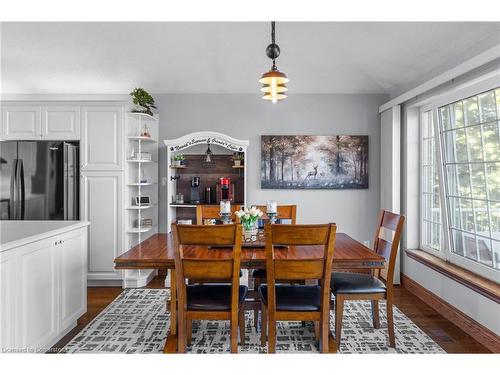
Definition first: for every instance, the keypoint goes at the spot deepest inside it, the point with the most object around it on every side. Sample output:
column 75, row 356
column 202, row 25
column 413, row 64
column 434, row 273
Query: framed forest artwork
column 314, row 162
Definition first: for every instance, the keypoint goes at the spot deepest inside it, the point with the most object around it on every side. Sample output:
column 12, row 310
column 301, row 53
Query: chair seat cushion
column 259, row 273
column 212, row 297
column 355, row 283
column 294, row 297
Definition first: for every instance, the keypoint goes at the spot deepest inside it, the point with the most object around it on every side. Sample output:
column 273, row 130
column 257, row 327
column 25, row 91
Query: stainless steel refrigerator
column 39, row 180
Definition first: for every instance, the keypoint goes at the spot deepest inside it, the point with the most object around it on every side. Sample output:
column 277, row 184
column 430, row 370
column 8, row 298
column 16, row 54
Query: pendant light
column 274, row 81
column 208, row 159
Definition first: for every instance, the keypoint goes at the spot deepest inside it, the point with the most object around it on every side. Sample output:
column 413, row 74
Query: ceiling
column 221, row 57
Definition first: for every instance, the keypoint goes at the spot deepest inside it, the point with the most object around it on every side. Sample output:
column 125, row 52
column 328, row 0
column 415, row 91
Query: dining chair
column 297, row 302
column 286, row 212
column 209, row 301
column 212, row 211
column 376, row 286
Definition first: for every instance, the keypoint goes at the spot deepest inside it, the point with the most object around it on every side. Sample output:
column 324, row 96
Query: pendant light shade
column 274, row 81
column 208, row 159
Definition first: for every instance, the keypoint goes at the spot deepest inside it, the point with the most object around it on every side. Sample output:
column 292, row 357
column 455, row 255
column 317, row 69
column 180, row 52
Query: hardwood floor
column 451, row 338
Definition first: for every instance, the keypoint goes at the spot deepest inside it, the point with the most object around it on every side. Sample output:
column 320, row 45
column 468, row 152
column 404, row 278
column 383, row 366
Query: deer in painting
column 312, row 174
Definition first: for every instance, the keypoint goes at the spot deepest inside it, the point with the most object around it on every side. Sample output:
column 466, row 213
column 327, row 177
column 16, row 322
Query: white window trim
column 423, row 246
column 490, row 82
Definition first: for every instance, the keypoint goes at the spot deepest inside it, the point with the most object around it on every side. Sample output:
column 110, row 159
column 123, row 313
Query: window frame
column 422, row 208
column 489, row 83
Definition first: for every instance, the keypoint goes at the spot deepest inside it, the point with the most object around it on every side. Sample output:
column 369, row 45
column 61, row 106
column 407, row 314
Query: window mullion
column 438, row 135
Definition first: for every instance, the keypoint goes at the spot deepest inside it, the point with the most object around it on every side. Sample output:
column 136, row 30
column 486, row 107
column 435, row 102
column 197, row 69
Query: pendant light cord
column 273, row 39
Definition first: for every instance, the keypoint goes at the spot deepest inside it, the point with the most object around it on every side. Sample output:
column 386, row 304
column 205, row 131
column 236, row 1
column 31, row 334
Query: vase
column 250, row 234
column 237, row 163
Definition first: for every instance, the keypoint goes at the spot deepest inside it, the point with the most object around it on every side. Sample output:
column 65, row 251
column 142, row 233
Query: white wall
column 247, row 116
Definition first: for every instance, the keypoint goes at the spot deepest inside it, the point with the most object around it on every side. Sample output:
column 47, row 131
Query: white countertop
column 14, row 233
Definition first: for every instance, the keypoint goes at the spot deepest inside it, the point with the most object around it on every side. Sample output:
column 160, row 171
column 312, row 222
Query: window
column 460, row 163
column 432, row 229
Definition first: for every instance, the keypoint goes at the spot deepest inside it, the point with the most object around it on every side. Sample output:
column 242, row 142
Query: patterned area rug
column 137, row 320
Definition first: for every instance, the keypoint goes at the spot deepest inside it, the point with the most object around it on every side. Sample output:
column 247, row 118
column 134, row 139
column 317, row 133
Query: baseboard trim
column 103, row 283
column 138, row 282
column 480, row 333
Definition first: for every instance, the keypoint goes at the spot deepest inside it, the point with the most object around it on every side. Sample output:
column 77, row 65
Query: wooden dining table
column 157, row 252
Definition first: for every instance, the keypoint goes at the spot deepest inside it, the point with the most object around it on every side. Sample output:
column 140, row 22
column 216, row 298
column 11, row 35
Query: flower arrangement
column 248, row 217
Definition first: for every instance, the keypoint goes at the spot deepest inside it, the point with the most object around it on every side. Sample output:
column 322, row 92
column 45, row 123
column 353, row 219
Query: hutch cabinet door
column 102, row 138
column 103, row 207
column 61, row 123
column 21, row 122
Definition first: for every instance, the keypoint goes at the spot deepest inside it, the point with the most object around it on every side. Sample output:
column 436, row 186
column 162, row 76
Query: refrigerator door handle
column 65, row 162
column 13, row 192
column 22, row 191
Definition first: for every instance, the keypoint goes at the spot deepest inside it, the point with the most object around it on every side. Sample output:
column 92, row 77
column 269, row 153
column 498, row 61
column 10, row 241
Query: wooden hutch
column 193, row 147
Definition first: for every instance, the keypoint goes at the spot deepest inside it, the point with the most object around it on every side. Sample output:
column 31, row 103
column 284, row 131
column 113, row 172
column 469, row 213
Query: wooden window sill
column 477, row 283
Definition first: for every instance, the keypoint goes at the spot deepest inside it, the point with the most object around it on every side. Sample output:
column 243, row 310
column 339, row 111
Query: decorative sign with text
column 207, row 141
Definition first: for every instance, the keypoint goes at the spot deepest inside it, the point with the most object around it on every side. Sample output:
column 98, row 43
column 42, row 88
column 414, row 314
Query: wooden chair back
column 299, row 269
column 286, row 211
column 212, row 211
column 386, row 243
column 207, row 236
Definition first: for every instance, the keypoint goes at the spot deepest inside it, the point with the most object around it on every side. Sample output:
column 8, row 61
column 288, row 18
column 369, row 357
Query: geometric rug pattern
column 137, row 322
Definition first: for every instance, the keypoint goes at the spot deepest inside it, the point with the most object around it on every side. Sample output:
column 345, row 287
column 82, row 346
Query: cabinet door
column 38, row 291
column 8, row 301
column 103, row 207
column 102, row 138
column 61, row 123
column 21, row 122
column 72, row 252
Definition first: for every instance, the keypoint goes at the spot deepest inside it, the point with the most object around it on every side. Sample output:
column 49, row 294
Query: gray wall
column 247, row 116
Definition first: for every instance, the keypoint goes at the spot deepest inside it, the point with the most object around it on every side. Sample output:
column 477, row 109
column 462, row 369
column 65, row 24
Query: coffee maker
column 224, row 189
column 195, row 190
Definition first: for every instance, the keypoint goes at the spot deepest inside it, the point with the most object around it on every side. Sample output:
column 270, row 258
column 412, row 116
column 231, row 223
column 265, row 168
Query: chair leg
column 324, row 333
column 256, row 283
column 189, row 331
column 390, row 323
column 375, row 314
column 234, row 335
column 303, row 323
column 242, row 324
column 181, row 333
column 271, row 334
column 316, row 330
column 263, row 326
column 339, row 312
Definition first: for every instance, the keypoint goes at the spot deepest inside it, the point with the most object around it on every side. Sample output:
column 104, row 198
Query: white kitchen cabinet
column 43, row 288
column 60, row 122
column 102, row 138
column 73, row 265
column 38, row 291
column 8, row 295
column 20, row 122
column 102, row 193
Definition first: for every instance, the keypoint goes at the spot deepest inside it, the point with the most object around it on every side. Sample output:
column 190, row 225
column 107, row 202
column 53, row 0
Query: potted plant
column 143, row 100
column 179, row 160
column 248, row 218
column 238, row 158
